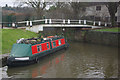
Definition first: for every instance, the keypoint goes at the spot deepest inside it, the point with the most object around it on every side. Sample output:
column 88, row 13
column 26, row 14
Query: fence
column 55, row 21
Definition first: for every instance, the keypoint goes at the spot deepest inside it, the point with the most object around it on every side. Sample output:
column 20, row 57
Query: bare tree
column 77, row 8
column 38, row 5
column 112, row 8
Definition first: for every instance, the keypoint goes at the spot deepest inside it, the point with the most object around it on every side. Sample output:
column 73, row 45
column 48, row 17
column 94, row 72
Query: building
column 118, row 16
column 99, row 12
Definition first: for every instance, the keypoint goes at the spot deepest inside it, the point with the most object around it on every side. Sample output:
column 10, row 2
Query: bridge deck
column 67, row 25
column 37, row 28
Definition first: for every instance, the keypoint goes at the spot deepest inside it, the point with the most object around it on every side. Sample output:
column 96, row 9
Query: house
column 99, row 12
column 118, row 16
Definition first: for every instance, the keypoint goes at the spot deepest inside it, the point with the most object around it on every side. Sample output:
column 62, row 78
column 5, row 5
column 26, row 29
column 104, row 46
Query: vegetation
column 9, row 37
column 116, row 29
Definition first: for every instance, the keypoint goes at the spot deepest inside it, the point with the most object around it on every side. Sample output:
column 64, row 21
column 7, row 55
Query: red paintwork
column 44, row 46
column 57, row 43
column 34, row 49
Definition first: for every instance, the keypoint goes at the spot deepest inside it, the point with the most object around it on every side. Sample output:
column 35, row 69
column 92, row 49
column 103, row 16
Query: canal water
column 80, row 60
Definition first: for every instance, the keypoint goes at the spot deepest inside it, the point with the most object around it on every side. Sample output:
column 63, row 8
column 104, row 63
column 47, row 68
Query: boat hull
column 19, row 61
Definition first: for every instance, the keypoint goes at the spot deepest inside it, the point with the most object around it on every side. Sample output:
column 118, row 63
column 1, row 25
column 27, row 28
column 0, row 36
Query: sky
column 12, row 2
column 9, row 2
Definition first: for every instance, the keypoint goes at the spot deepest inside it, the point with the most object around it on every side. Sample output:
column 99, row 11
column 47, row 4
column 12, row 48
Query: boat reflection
column 37, row 70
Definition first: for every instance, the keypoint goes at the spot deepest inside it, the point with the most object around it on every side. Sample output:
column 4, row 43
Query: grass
column 115, row 29
column 9, row 37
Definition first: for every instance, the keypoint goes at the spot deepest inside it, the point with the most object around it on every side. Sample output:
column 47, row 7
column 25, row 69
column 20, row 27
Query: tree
column 77, row 8
column 59, row 10
column 38, row 5
column 112, row 8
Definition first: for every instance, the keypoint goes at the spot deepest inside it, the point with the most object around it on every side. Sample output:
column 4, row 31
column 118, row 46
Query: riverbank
column 99, row 37
column 10, row 36
column 104, row 36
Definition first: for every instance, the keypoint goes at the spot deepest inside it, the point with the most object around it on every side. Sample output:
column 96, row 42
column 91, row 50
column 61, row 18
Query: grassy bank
column 116, row 29
column 9, row 37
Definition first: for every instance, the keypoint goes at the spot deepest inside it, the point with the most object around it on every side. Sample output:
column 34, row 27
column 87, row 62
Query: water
column 81, row 60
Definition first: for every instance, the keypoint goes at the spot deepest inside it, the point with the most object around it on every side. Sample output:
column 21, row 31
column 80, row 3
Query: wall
column 98, row 37
column 76, row 34
column 105, row 38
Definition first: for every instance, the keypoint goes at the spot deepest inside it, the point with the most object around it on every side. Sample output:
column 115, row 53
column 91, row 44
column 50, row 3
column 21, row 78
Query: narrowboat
column 27, row 51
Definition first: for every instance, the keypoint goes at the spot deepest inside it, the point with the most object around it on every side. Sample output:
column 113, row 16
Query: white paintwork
column 46, row 21
column 13, row 24
column 63, row 21
column 105, row 24
column 79, row 21
column 23, row 58
column 94, row 23
column 84, row 21
column 68, row 21
column 27, row 23
column 50, row 21
column 38, row 28
column 99, row 23
column 30, row 23
column 35, row 29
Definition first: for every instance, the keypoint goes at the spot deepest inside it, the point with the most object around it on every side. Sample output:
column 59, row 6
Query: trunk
column 76, row 14
column 112, row 19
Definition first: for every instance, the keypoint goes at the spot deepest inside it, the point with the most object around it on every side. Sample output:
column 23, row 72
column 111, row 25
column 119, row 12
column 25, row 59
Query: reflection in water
column 42, row 70
column 81, row 60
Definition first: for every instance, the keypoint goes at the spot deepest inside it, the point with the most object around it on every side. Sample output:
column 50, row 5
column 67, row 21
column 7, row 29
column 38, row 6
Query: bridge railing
column 59, row 21
column 65, row 21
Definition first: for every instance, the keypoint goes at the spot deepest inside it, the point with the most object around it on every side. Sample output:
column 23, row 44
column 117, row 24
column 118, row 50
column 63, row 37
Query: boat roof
column 33, row 41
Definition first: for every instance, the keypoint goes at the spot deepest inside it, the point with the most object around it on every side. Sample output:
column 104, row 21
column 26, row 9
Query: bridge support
column 35, row 29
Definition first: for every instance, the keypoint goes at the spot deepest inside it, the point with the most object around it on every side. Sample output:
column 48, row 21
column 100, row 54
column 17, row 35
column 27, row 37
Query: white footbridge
column 38, row 25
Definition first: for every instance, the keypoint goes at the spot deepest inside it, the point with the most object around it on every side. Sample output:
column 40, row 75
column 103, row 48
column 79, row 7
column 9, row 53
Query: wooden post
column 50, row 21
column 13, row 24
column 94, row 23
column 68, row 21
column 30, row 23
column 45, row 21
column 79, row 21
column 105, row 24
column 63, row 21
column 99, row 23
column 27, row 23
column 84, row 21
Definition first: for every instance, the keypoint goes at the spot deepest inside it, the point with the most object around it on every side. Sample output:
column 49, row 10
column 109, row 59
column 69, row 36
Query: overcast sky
column 9, row 2
column 12, row 2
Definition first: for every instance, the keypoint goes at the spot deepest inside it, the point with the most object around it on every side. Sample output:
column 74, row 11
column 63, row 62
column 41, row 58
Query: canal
column 80, row 60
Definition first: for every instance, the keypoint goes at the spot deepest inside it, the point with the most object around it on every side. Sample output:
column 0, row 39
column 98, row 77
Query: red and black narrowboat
column 26, row 53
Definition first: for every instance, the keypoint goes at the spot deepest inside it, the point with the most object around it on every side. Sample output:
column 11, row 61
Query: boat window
column 47, row 45
column 59, row 42
column 39, row 48
column 54, row 44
